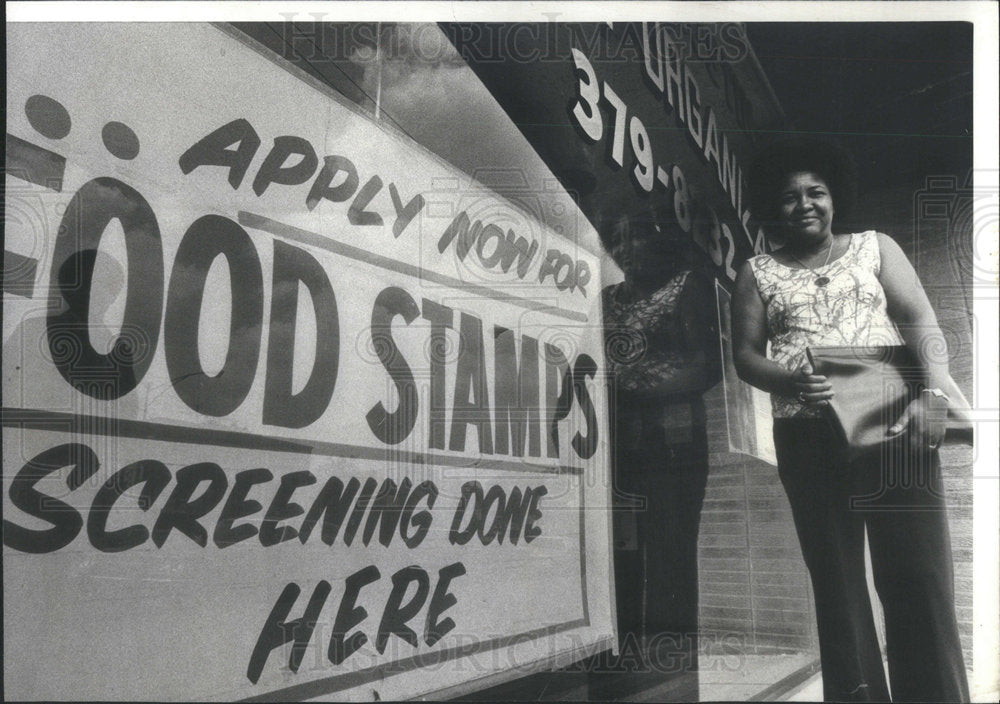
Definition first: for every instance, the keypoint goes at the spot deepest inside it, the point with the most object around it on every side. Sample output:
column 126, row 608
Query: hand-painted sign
column 637, row 116
column 291, row 408
column 649, row 122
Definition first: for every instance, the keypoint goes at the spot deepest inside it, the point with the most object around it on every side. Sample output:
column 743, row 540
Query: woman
column 822, row 289
column 662, row 351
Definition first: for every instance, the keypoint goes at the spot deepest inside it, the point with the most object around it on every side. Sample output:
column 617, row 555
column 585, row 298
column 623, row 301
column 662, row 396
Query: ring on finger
column 802, row 396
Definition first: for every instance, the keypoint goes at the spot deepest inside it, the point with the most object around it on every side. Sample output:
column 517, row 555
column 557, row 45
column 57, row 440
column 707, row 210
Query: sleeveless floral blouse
column 850, row 311
column 644, row 337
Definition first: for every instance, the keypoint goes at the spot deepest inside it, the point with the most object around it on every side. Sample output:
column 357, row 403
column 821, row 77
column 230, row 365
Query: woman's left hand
column 925, row 420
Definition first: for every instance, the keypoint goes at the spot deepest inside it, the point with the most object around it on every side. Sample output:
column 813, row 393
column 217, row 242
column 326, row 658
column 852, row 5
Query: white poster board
column 291, row 408
column 748, row 409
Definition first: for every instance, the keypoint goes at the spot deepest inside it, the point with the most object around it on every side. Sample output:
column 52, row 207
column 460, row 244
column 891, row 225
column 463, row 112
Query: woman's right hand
column 811, row 389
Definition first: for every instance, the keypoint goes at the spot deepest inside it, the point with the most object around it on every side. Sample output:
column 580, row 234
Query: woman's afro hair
column 776, row 161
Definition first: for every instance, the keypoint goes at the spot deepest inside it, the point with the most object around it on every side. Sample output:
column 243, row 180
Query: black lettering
column 441, row 601
column 277, row 631
column 495, row 496
column 208, row 237
column 564, row 272
column 182, row 512
column 441, row 319
column 531, row 531
column 519, row 248
column 404, row 214
column 397, row 614
column 516, row 409
column 66, row 521
column 154, row 475
column 490, row 232
column 581, row 277
column 471, row 491
column 333, row 502
column 273, row 170
column 393, row 427
column 356, row 214
column 237, row 506
column 282, row 508
column 281, row 406
column 585, row 445
column 553, row 263
column 386, row 511
column 92, row 208
column 321, row 188
column 422, row 519
column 349, row 615
column 513, row 513
column 471, row 376
column 211, row 151
column 558, row 395
column 354, row 522
column 466, row 232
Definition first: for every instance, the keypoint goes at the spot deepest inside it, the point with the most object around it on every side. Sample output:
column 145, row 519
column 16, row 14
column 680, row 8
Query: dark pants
column 659, row 491
column 899, row 497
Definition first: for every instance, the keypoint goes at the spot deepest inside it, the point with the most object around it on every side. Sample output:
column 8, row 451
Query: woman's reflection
column 662, row 352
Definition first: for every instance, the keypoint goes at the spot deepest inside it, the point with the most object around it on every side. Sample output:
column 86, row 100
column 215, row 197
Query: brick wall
column 931, row 221
column 752, row 580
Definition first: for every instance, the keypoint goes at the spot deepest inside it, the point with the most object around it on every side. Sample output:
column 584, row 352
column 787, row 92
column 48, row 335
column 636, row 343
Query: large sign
column 633, row 115
column 290, row 407
column 645, row 120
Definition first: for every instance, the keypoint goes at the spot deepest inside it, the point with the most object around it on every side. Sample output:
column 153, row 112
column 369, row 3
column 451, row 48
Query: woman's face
column 805, row 208
column 639, row 250
column 646, row 258
column 650, row 261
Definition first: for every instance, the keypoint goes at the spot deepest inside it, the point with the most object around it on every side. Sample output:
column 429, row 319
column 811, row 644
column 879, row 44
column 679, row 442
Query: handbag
column 872, row 387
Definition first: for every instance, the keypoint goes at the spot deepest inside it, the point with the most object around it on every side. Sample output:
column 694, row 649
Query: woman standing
column 662, row 352
column 822, row 289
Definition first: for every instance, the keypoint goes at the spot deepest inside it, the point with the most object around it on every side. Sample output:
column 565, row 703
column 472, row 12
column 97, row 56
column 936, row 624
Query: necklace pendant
column 822, row 281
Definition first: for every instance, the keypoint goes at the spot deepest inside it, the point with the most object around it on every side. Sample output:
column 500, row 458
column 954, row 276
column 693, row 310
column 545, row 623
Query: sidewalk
column 664, row 677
